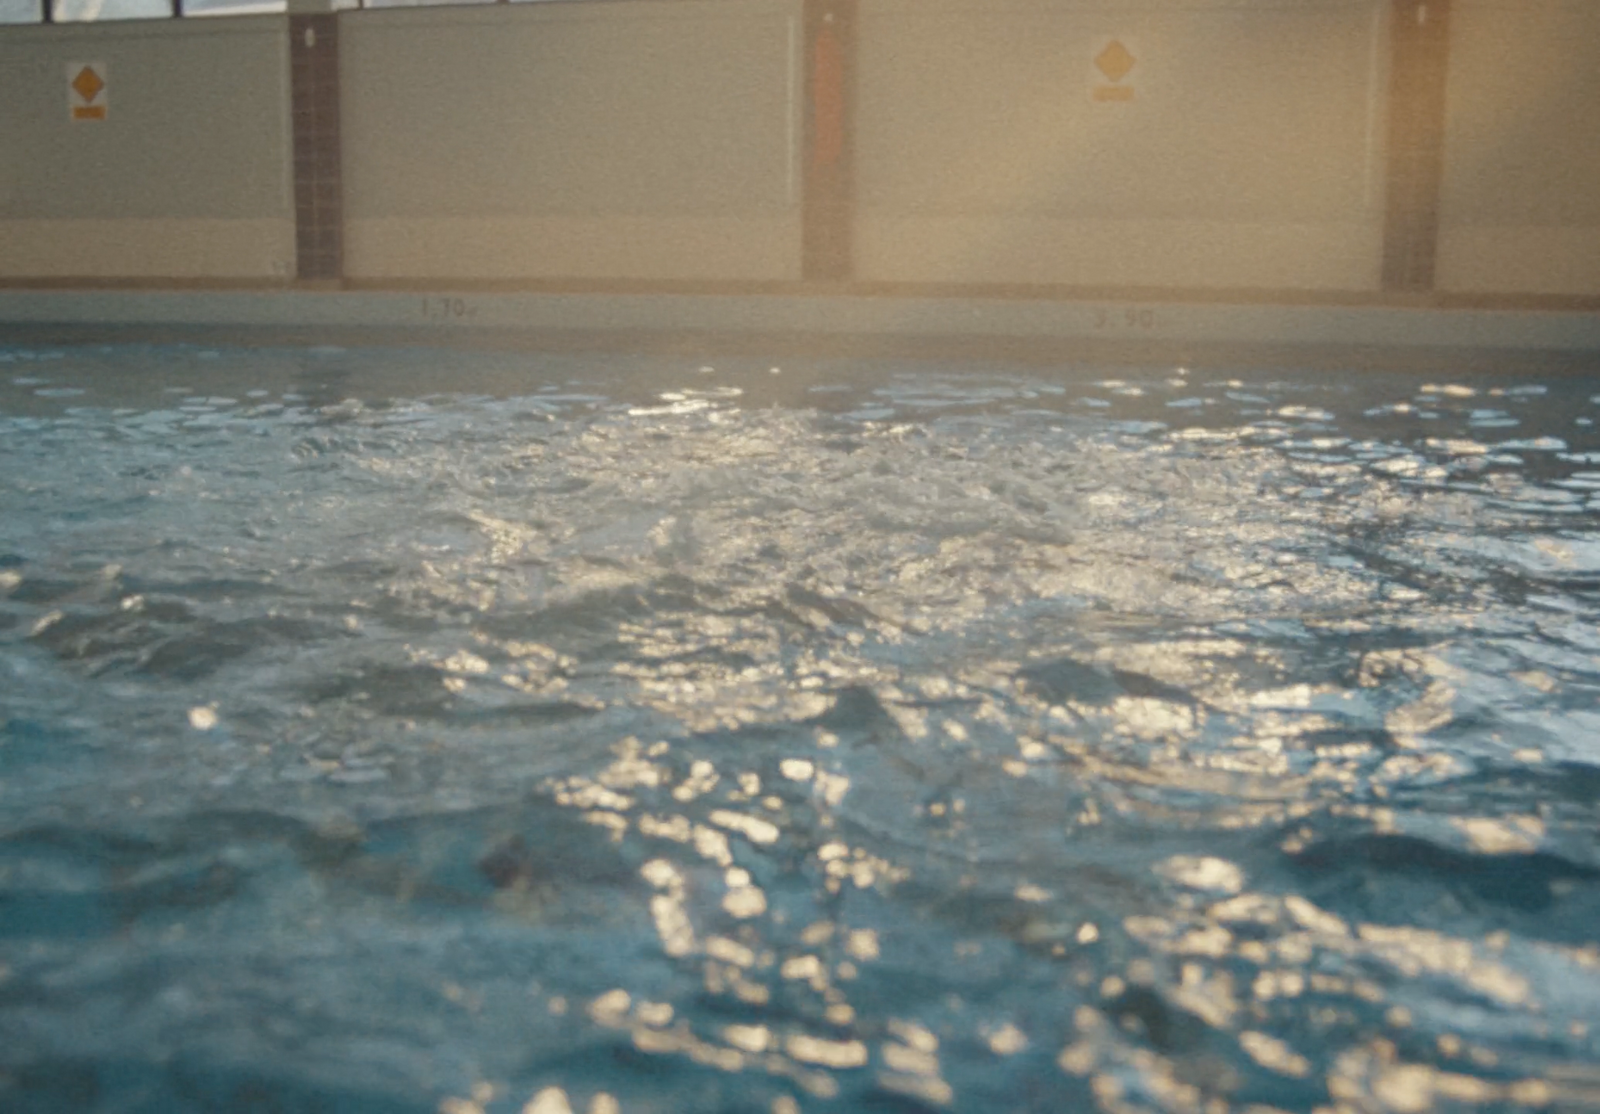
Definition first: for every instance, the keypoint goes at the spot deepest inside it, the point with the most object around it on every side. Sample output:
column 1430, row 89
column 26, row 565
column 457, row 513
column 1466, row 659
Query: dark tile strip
column 827, row 209
column 314, row 115
column 1420, row 44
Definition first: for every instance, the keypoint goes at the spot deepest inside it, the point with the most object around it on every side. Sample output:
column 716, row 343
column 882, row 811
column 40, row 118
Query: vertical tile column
column 1420, row 51
column 314, row 107
column 830, row 80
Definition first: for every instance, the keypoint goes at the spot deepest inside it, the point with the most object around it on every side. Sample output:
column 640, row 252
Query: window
column 87, row 11
column 20, row 11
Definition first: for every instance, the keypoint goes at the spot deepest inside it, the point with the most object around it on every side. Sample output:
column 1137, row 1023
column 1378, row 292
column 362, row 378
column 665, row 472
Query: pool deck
column 839, row 321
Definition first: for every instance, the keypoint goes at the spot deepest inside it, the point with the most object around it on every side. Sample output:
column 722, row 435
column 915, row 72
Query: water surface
column 400, row 730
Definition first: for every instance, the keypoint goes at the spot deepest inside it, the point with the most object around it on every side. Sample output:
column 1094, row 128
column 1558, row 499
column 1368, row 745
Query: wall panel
column 1242, row 149
column 1520, row 205
column 185, row 177
column 626, row 140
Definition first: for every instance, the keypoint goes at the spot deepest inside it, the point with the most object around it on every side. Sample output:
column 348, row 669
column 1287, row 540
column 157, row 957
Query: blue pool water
column 408, row 731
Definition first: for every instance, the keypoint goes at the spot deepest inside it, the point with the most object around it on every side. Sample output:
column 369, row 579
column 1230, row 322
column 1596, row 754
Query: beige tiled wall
column 639, row 139
column 1243, row 150
column 630, row 140
column 187, row 175
column 1520, row 204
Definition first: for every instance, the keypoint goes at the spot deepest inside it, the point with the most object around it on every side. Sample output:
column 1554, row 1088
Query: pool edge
column 828, row 323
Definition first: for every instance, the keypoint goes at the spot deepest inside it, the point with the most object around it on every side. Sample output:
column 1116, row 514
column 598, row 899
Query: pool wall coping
column 449, row 317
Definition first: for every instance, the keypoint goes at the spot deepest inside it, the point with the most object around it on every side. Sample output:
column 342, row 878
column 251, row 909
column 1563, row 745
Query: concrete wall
column 629, row 140
column 1249, row 155
column 187, row 177
column 1520, row 206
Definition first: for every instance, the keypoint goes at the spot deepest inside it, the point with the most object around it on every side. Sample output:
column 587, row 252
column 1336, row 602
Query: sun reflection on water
column 1156, row 743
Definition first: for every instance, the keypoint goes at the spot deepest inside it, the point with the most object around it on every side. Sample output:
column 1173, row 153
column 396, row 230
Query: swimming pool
column 405, row 730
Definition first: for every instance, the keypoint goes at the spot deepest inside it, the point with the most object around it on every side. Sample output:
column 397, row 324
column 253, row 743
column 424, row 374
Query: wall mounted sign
column 86, row 90
column 1113, row 69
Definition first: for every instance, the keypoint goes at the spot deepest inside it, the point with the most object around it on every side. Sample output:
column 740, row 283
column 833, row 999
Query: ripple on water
column 610, row 734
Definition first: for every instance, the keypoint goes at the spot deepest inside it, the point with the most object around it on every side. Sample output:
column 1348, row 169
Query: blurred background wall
column 1366, row 149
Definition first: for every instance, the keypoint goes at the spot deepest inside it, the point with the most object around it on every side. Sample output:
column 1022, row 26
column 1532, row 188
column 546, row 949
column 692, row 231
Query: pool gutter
column 830, row 322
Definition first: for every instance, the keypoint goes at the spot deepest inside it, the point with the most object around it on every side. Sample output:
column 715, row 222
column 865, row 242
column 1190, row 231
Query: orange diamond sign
column 86, row 90
column 1114, row 61
column 1114, row 69
column 87, row 84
